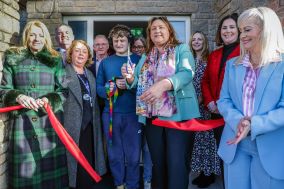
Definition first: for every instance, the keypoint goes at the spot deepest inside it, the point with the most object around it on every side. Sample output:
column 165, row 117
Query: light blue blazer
column 183, row 90
column 267, row 124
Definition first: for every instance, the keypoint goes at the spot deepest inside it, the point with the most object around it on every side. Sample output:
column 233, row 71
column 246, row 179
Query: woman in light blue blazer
column 163, row 78
column 252, row 104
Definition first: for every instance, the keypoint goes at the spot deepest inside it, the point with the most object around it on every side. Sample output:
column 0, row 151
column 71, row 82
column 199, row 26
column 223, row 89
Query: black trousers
column 218, row 131
column 170, row 151
column 217, row 134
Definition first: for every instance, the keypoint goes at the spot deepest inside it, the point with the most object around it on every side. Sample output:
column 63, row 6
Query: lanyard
column 87, row 87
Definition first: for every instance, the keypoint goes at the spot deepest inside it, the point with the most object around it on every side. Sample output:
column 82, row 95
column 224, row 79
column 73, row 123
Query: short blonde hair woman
column 271, row 37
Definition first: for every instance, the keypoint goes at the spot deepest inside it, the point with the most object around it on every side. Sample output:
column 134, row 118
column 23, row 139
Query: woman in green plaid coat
column 33, row 75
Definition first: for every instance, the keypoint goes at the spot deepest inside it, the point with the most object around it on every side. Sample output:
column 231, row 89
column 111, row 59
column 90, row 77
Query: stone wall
column 225, row 7
column 9, row 32
column 278, row 6
column 204, row 20
column 201, row 11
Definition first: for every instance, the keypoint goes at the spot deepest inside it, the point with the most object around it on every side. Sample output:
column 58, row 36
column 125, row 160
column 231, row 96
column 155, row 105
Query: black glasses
column 138, row 47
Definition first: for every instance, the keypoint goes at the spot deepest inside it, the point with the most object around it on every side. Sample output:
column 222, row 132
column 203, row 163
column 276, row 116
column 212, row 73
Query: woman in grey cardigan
column 81, row 115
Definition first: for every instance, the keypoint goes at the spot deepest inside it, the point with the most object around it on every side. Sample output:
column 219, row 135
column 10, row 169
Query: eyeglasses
column 139, row 47
column 100, row 45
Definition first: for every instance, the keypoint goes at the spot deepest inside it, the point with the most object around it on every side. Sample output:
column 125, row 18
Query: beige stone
column 10, row 11
column 3, row 158
column 31, row 7
column 3, row 147
column 5, row 24
column 3, row 168
column 4, row 131
column 4, row 45
column 3, row 181
column 45, row 6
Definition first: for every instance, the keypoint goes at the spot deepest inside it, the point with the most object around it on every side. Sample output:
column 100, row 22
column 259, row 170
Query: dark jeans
column 126, row 146
column 170, row 151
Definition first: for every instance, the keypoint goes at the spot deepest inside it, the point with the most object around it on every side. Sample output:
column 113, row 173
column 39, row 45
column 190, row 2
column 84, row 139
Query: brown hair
column 205, row 46
column 173, row 42
column 218, row 38
column 70, row 49
column 140, row 38
column 119, row 31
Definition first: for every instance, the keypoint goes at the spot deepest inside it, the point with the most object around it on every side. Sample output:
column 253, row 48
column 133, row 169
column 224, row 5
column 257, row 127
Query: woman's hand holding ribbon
column 27, row 102
column 31, row 103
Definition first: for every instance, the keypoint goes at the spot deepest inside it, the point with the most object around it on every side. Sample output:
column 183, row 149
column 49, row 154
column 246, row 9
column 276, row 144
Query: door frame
column 90, row 21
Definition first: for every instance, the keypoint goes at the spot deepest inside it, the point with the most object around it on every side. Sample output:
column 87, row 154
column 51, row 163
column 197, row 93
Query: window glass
column 79, row 29
column 179, row 27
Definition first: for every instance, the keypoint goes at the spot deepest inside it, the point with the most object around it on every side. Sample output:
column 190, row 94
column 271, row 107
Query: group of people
column 241, row 82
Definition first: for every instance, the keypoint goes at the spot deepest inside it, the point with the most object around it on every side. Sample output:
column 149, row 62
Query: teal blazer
column 267, row 123
column 183, row 90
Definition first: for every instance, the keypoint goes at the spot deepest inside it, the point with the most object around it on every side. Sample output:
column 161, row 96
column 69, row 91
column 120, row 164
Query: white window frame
column 90, row 21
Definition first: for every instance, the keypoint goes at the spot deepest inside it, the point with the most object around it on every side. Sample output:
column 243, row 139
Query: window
column 86, row 27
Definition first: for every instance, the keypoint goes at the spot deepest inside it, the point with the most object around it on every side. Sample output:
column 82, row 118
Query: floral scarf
column 155, row 68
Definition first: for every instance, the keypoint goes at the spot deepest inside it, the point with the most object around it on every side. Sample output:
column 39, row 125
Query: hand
column 120, row 83
column 27, row 102
column 156, row 91
column 216, row 111
column 212, row 107
column 127, row 72
column 243, row 130
column 200, row 99
column 111, row 86
column 41, row 102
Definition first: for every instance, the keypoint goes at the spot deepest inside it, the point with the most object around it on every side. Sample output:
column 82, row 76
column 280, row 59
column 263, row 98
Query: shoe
column 207, row 181
column 198, row 179
column 147, row 185
column 120, row 187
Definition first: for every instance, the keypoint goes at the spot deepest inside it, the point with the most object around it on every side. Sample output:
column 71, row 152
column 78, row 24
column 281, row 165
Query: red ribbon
column 65, row 138
column 190, row 125
column 11, row 108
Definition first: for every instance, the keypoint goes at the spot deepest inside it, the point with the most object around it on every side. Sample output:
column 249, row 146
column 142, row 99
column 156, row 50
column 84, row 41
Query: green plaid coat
column 37, row 158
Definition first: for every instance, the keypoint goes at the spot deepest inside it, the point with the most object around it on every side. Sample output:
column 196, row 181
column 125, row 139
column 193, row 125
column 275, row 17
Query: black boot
column 207, row 181
column 198, row 180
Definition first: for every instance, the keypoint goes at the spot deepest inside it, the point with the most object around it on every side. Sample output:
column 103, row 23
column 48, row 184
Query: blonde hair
column 205, row 46
column 47, row 39
column 70, row 50
column 271, row 36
